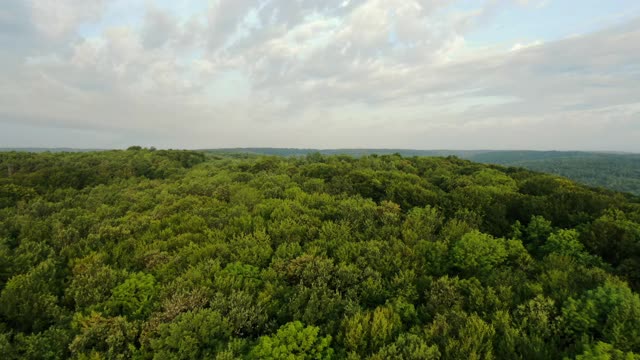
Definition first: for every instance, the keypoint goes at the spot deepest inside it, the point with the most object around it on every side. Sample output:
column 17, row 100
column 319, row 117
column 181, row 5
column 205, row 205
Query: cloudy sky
column 425, row 74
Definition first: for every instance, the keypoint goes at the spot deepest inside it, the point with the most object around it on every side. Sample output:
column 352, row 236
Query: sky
column 420, row 74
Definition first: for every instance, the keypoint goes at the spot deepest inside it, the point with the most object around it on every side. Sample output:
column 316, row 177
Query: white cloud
column 159, row 27
column 58, row 18
column 377, row 73
column 520, row 46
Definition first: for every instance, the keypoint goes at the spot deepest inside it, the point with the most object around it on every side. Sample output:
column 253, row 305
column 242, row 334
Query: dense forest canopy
column 614, row 171
column 164, row 254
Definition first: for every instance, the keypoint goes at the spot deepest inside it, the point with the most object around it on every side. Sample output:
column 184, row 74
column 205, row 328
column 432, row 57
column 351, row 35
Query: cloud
column 159, row 27
column 57, row 19
column 519, row 46
column 375, row 73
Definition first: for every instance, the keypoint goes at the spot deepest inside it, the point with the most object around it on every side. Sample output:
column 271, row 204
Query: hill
column 177, row 255
column 614, row 171
column 619, row 172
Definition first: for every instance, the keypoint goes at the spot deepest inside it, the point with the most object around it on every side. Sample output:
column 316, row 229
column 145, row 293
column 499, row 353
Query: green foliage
column 135, row 297
column 192, row 335
column 144, row 254
column 567, row 243
column 408, row 347
column 29, row 300
column 478, row 253
column 421, row 223
column 619, row 172
column 537, row 232
column 103, row 337
column 367, row 332
column 604, row 351
column 293, row 341
column 91, row 282
column 610, row 312
column 49, row 344
column 462, row 336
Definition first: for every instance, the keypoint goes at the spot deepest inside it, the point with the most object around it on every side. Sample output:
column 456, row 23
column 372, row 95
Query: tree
column 567, row 243
column 408, row 347
column 29, row 300
column 99, row 337
column 610, row 312
column 135, row 297
column 92, row 282
column 477, row 253
column 604, row 351
column 367, row 332
column 192, row 335
column 293, row 341
column 421, row 223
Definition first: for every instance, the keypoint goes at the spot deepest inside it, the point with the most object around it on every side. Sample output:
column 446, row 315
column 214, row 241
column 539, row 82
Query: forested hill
column 145, row 254
column 619, row 172
column 615, row 171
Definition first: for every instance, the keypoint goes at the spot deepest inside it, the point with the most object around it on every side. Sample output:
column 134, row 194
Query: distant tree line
column 614, row 171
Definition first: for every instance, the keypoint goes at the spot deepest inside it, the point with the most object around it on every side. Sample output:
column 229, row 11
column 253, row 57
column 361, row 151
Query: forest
column 614, row 171
column 171, row 254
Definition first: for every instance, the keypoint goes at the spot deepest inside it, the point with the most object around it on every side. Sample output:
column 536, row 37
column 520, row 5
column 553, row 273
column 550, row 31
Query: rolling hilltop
column 615, row 171
column 610, row 170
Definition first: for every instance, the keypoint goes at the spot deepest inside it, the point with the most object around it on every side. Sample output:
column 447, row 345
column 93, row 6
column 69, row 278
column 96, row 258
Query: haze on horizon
column 494, row 74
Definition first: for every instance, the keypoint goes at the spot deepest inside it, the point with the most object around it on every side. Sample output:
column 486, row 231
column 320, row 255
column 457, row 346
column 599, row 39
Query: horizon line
column 62, row 148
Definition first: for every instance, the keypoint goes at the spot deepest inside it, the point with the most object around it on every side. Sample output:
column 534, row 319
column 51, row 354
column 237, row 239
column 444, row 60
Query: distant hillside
column 620, row 172
column 615, row 171
column 351, row 152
